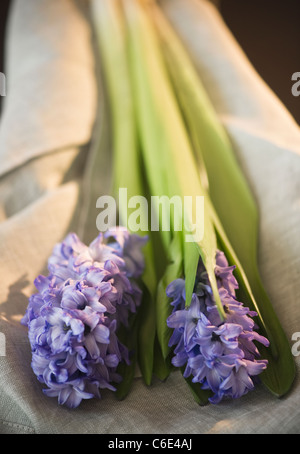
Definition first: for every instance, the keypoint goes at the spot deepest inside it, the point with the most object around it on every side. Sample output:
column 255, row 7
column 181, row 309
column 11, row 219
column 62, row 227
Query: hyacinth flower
column 169, row 107
column 167, row 141
column 220, row 355
column 74, row 318
column 236, row 221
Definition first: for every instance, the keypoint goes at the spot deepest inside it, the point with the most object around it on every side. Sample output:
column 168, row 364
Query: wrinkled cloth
column 47, row 128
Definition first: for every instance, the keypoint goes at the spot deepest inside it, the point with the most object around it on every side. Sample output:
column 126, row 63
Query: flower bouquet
column 176, row 284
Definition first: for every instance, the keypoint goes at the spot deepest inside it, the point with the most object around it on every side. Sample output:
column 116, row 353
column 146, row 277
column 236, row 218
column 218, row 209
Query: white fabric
column 48, row 117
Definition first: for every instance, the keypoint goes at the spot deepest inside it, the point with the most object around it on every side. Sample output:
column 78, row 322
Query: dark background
column 269, row 33
column 267, row 30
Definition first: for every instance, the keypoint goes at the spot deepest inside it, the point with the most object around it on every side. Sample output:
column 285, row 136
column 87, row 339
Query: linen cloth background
column 46, row 138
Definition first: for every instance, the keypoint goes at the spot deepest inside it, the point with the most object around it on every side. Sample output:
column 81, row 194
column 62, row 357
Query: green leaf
column 146, row 336
column 174, row 269
column 128, row 336
column 232, row 206
column 162, row 366
column 111, row 33
column 168, row 156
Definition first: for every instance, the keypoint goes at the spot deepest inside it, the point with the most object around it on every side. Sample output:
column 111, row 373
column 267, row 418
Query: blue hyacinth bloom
column 220, row 355
column 73, row 318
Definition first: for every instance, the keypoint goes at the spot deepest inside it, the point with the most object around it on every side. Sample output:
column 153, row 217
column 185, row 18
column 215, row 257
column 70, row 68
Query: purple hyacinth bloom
column 176, row 291
column 218, row 354
column 129, row 247
column 73, row 318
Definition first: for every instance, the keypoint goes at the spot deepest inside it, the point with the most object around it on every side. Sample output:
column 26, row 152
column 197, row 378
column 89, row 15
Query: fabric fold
column 51, row 88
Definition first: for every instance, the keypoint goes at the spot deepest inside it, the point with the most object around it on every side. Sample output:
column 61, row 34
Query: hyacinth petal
column 91, row 346
column 177, row 319
column 64, row 395
column 211, row 349
column 111, row 360
column 80, row 364
column 55, row 316
column 77, row 326
column 175, row 337
column 104, row 287
column 224, row 369
column 36, row 331
column 101, row 334
column 262, row 339
column 176, row 289
column 213, row 379
column 106, row 302
column 188, row 336
column 133, row 256
column 101, row 253
column 94, row 276
column 204, row 326
column 245, row 380
column 62, row 273
column 228, row 334
column 255, row 367
column 196, row 362
column 51, row 392
column 74, row 398
column 41, row 283
column 89, row 317
column 39, row 364
column 238, row 383
column 83, row 394
column 120, row 235
column 62, row 376
column 72, row 243
column 180, row 359
column 195, row 310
